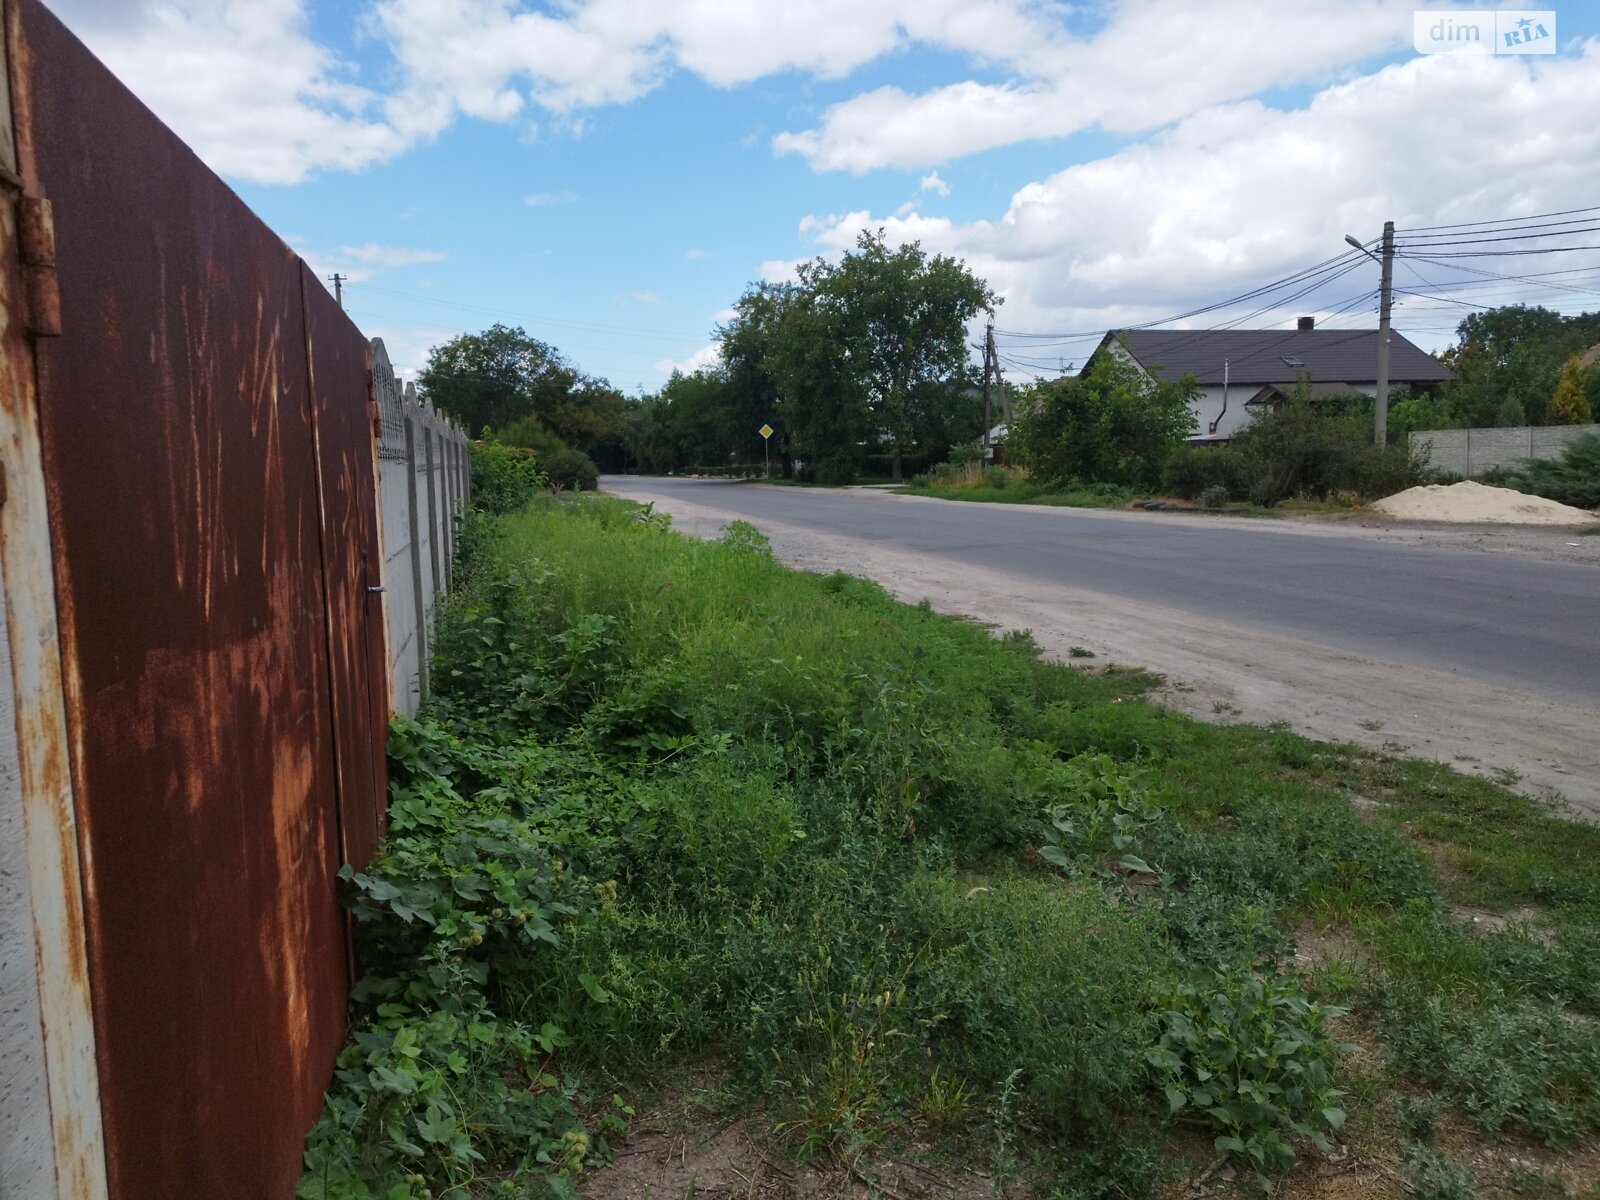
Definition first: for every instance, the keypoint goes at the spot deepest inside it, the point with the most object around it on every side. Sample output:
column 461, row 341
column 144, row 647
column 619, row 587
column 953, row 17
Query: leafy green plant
column 1433, row 1175
column 438, row 1089
column 1100, row 824
column 1252, row 1057
column 745, row 538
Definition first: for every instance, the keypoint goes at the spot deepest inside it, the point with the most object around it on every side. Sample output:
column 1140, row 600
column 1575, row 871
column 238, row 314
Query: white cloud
column 247, row 85
column 782, row 270
column 645, row 296
column 243, row 83
column 360, row 263
column 932, row 183
column 1240, row 194
column 1155, row 61
column 386, row 257
column 407, row 345
column 546, row 199
column 695, row 254
column 706, row 356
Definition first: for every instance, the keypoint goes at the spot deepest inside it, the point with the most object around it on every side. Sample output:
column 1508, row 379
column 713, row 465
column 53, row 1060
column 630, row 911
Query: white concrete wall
column 418, row 523
column 1473, row 451
column 27, row 1155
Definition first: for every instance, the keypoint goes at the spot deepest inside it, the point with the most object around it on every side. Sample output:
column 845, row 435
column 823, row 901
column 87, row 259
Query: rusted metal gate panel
column 179, row 445
column 352, row 562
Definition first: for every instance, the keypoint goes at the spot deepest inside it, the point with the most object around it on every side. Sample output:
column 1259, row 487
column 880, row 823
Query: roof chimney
column 1308, row 323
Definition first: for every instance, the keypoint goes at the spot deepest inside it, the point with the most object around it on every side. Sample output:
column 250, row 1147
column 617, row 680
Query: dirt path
column 1223, row 674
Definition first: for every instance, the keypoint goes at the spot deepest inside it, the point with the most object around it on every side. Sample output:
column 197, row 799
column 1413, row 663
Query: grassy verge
column 908, row 885
column 1029, row 493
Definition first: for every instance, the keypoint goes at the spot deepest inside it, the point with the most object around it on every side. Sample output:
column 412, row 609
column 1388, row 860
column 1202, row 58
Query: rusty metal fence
column 193, row 544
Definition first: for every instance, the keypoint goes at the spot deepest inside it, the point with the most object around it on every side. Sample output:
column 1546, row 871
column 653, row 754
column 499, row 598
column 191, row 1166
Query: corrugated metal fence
column 195, row 583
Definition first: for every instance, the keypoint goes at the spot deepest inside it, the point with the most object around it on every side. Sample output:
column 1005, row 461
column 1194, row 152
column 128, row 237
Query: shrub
column 504, row 478
column 1313, row 448
column 1111, row 424
column 571, row 470
column 1573, row 479
column 1213, row 497
column 1195, row 469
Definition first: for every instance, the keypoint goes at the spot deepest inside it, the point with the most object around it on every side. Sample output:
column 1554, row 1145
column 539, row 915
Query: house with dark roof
column 1242, row 370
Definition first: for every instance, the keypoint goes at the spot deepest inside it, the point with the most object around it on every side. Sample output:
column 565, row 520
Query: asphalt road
column 1512, row 621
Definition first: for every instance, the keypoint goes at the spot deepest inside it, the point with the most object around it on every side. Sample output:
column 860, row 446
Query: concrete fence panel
column 1472, row 452
column 422, row 465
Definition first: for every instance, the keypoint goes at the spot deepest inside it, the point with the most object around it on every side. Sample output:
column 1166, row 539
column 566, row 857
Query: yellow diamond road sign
column 766, row 431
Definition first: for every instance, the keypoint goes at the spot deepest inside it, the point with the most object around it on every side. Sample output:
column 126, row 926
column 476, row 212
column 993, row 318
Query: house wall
column 1208, row 407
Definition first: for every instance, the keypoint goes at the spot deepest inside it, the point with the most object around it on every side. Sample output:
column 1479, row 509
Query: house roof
column 1348, row 356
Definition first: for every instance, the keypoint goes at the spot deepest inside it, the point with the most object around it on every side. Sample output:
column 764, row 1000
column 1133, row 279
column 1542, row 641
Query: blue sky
column 611, row 174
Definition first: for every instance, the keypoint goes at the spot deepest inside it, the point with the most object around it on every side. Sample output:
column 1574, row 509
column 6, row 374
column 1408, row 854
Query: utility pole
column 1380, row 410
column 1380, row 407
column 338, row 286
column 988, row 359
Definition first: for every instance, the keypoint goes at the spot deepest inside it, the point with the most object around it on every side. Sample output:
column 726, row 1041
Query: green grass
column 1030, row 493
column 672, row 802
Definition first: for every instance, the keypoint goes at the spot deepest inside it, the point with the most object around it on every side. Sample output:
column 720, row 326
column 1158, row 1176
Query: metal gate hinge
column 36, row 233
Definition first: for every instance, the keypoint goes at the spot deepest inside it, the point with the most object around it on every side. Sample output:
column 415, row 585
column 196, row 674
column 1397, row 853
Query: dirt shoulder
column 1231, row 675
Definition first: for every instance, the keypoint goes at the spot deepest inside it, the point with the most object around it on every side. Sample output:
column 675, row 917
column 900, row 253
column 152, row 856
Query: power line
column 1503, row 253
column 1494, row 236
column 1329, row 269
column 1497, row 275
column 1508, row 221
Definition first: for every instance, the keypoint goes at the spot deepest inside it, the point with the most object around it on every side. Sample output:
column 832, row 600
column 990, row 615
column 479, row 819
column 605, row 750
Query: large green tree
column 1508, row 362
column 495, row 379
column 695, row 420
column 864, row 356
column 488, row 380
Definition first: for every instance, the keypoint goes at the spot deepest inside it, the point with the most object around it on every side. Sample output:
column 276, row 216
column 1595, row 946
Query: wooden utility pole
column 338, row 286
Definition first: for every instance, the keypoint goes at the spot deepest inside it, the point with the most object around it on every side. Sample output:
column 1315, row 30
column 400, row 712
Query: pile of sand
column 1470, row 502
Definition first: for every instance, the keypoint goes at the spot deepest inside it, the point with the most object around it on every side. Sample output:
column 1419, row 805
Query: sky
column 611, row 175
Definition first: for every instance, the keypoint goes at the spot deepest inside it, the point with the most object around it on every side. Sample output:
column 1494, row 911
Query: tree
column 905, row 318
column 492, row 380
column 749, row 344
column 865, row 355
column 1510, row 358
column 1570, row 404
column 694, row 421
column 488, row 380
column 1112, row 423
